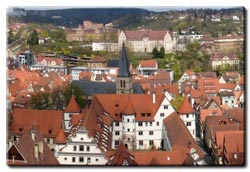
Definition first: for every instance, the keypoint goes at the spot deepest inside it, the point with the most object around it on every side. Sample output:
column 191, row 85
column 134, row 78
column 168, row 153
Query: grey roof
column 90, row 87
column 113, row 63
column 124, row 64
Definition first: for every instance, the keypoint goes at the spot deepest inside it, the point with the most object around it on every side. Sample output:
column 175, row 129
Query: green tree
column 11, row 37
column 176, row 102
column 197, row 69
column 155, row 53
column 162, row 53
column 33, row 38
column 77, row 92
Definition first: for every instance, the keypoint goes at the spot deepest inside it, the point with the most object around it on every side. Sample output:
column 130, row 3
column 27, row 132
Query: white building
column 105, row 46
column 187, row 114
column 75, row 71
column 136, row 125
column 78, row 148
column 147, row 40
column 148, row 67
column 72, row 109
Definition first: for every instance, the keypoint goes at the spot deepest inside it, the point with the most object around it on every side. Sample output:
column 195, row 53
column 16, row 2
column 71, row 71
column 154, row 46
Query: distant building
column 147, row 40
column 148, row 67
column 230, row 43
column 75, row 34
column 221, row 59
column 27, row 58
column 105, row 46
column 97, row 62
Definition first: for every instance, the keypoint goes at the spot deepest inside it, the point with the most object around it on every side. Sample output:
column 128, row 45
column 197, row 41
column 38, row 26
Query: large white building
column 147, row 40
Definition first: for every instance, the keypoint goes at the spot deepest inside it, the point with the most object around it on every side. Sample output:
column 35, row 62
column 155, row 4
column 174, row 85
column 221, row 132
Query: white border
column 94, row 3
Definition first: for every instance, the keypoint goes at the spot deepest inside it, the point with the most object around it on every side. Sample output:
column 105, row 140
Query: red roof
column 49, row 122
column 73, row 106
column 185, row 107
column 61, row 137
column 140, row 34
column 220, row 56
column 148, row 63
column 24, row 150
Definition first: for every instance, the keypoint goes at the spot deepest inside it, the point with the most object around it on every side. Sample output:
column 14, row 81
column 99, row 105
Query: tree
column 33, row 38
column 162, row 52
column 10, row 36
column 155, row 53
column 197, row 69
column 176, row 102
column 77, row 92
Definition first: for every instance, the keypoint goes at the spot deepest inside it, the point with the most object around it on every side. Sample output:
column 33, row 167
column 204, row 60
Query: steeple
column 124, row 64
column 123, row 80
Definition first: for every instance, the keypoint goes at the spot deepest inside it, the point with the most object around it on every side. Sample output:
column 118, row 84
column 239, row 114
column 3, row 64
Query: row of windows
column 117, row 133
column 81, row 148
column 141, row 142
column 81, row 159
column 117, row 124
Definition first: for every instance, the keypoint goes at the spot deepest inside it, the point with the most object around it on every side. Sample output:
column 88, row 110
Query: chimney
column 33, row 133
column 40, row 147
column 153, row 97
column 36, row 150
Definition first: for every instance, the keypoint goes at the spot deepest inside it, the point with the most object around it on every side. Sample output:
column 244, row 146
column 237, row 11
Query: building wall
column 147, row 133
column 91, row 154
column 189, row 121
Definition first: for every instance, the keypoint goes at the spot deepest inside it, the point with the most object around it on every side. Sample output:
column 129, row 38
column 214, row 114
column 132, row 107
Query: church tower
column 123, row 80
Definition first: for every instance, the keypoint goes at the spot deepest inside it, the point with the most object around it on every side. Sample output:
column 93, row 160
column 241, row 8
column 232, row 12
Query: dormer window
column 20, row 129
column 50, row 131
column 148, row 114
column 143, row 114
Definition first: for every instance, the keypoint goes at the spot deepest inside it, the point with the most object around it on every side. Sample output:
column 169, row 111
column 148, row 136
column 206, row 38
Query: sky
column 151, row 8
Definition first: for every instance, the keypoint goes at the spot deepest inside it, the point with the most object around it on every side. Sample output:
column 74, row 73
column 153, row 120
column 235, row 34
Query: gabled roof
column 61, row 137
column 140, row 34
column 220, row 56
column 25, row 148
column 148, row 63
column 185, row 107
column 49, row 122
column 120, row 155
column 123, row 64
column 73, row 106
column 179, row 135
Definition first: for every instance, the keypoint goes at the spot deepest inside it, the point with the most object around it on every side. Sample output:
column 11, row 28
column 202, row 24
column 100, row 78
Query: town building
column 187, row 114
column 78, row 148
column 105, row 46
column 27, row 58
column 97, row 62
column 25, row 119
column 147, row 40
column 229, row 44
column 222, row 59
column 148, row 67
column 31, row 149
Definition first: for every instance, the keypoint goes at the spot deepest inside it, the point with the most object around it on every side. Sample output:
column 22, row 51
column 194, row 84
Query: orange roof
column 148, row 63
column 179, row 135
column 185, row 107
column 61, row 137
column 139, row 34
column 120, row 155
column 73, row 106
column 49, row 122
column 209, row 112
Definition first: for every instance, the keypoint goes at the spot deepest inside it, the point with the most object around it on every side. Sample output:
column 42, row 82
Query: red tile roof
column 220, row 56
column 140, row 34
column 49, row 122
column 120, row 155
column 185, row 107
column 73, row 106
column 179, row 134
column 209, row 112
column 148, row 63
column 61, row 137
column 24, row 150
